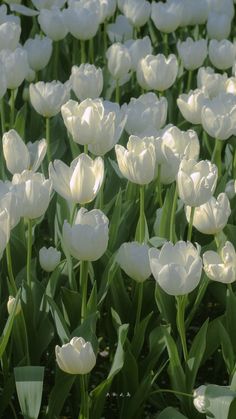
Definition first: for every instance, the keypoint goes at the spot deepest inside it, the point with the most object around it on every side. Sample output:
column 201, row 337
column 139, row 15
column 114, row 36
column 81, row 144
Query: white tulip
column 191, row 104
column 47, row 98
column 3, row 80
column 133, row 259
column 53, row 24
column 121, row 30
column 221, row 267
column 199, row 399
column 196, row 181
column 192, row 53
column 87, row 238
column 119, row 60
column 9, row 35
column 16, row 66
column 138, row 162
column 75, row 357
column 212, row 83
column 177, row 268
column 4, row 230
column 211, row 217
column 218, row 26
column 138, row 49
column 39, row 52
column 166, row 16
column 49, row 258
column 82, row 21
column 11, row 304
column 230, row 188
column 157, row 72
column 222, row 53
column 137, row 12
column 86, row 81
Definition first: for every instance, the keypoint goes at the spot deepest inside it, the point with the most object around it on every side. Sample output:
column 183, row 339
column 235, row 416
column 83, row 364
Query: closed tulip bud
column 10, row 201
column 39, row 52
column 146, row 111
column 4, row 17
column 81, row 181
column 119, row 60
column 20, row 156
column 192, row 53
column 221, row 6
column 218, row 116
column 211, row 217
column 157, row 72
column 196, row 181
column 82, row 21
column 11, row 304
column 198, row 12
column 191, row 104
column 137, row 12
column 138, row 49
column 87, row 238
column 138, row 162
column 47, row 98
column 49, row 258
column 95, row 122
column 166, row 16
column 222, row 53
column 221, row 267
column 121, row 30
column 16, row 66
column 34, row 191
column 48, row 4
column 212, row 83
column 230, row 188
column 53, row 24
column 218, row 26
column 9, row 35
column 134, row 261
column 3, row 80
column 176, row 268
column 76, row 357
column 199, row 400
column 86, row 81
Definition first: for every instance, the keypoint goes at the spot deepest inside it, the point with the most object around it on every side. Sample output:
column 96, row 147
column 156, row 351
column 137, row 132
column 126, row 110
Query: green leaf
column 134, row 405
column 59, row 393
column 61, row 326
column 138, row 338
column 171, row 413
column 99, row 393
column 175, row 369
column 196, row 354
column 230, row 316
column 227, row 349
column 20, row 121
column 29, row 387
column 8, row 327
column 156, row 241
column 87, row 330
column 157, row 344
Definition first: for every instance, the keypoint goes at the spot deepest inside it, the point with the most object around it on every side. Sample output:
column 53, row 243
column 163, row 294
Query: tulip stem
column 159, row 186
column 189, row 82
column 55, row 63
column 172, row 217
column 29, row 251
column 83, row 54
column 190, row 225
column 234, row 165
column 141, row 215
column 3, row 116
column 74, row 209
column 117, row 91
column 181, row 303
column 48, row 139
column 139, row 306
column 12, row 107
column 105, row 38
column 85, row 148
column 84, row 409
column 216, row 157
column 10, row 270
column 83, row 287
column 165, row 43
column 91, row 51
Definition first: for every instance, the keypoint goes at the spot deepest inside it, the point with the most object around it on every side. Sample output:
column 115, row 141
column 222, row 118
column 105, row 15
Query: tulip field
column 118, row 209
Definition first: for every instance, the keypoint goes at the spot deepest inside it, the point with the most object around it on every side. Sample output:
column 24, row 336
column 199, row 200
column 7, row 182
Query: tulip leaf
column 59, row 393
column 196, row 354
column 175, row 369
column 99, row 393
column 156, row 241
column 29, row 387
column 134, row 405
column 230, row 316
column 8, row 327
column 61, row 326
column 227, row 348
column 20, row 120
column 87, row 330
column 139, row 336
column 157, row 344
column 163, row 229
column 171, row 413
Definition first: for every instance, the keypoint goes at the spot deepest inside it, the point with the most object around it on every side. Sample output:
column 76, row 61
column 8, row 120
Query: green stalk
column 234, row 164
column 189, row 82
column 139, row 307
column 166, row 390
column 55, row 63
column 29, row 251
column 91, row 51
column 3, row 116
column 101, row 196
column 165, row 43
column 216, row 157
column 201, row 292
column 83, row 54
column 159, row 186
column 74, row 51
column 105, row 38
column 172, row 217
column 83, row 287
column 73, row 214
column 117, row 91
column 12, row 108
column 10, row 270
column 190, row 226
column 86, row 148
column 181, row 303
column 48, row 139
column 141, row 215
column 84, row 410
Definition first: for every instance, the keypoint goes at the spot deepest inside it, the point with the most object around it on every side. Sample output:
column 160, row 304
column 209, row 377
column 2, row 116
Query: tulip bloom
column 222, row 53
column 221, row 267
column 39, row 52
column 119, row 60
column 76, row 357
column 134, row 261
column 86, row 81
column 49, row 258
column 87, row 238
column 192, row 53
column 177, row 268
column 47, row 98
column 81, row 181
column 191, row 104
column 157, row 72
